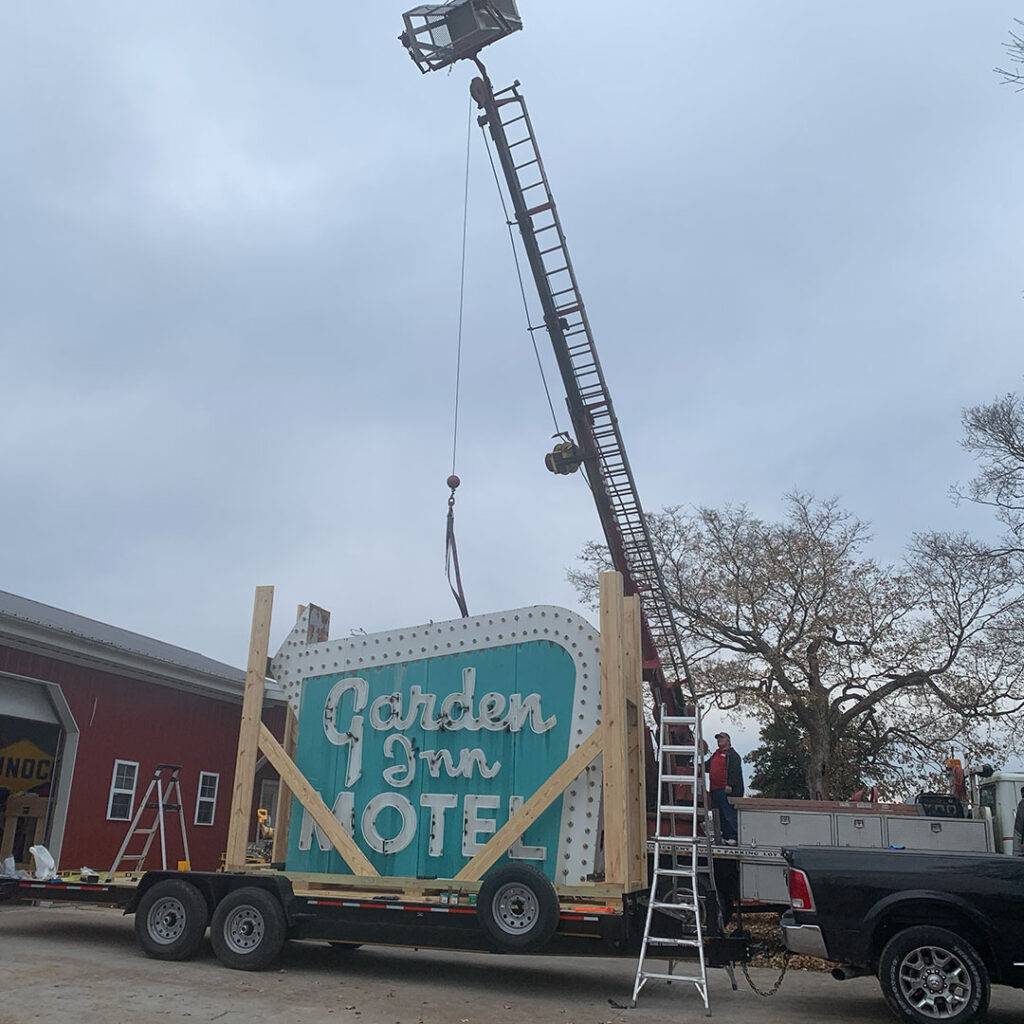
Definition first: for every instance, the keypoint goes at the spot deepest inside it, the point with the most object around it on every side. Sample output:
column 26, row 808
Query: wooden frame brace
column 501, row 842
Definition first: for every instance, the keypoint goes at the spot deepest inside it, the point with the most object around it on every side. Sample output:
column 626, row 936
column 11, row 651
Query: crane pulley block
column 564, row 460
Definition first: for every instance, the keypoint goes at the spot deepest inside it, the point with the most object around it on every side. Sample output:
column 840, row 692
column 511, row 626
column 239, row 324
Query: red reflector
column 800, row 897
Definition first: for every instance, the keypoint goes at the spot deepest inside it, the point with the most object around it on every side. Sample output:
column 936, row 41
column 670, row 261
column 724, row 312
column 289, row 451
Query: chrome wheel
column 166, row 921
column 935, row 982
column 515, row 908
column 244, row 929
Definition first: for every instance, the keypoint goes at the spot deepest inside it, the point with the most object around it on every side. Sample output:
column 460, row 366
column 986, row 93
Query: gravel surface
column 76, row 966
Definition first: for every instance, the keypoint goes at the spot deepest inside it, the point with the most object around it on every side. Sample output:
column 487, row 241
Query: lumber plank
column 635, row 741
column 283, row 820
column 542, row 799
column 597, row 892
column 313, row 802
column 248, row 729
column 613, row 714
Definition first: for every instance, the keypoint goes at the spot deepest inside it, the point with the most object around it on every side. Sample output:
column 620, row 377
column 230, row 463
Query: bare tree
column 796, row 616
column 994, row 434
column 1014, row 74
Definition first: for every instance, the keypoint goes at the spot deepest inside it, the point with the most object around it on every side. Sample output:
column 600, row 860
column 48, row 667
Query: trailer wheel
column 929, row 974
column 248, row 929
column 170, row 920
column 518, row 908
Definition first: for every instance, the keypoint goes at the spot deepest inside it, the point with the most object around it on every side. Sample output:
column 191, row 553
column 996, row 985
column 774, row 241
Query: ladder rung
column 659, row 905
column 543, row 208
column 654, row 940
column 676, row 809
column 675, row 872
column 680, row 780
column 132, row 856
column 677, row 748
column 672, row 977
column 676, row 720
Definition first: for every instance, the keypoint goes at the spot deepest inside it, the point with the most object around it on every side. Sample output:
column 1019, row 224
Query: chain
column 778, row 981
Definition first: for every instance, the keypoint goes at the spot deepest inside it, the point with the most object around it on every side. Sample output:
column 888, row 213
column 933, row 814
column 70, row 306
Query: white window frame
column 119, row 791
column 200, row 799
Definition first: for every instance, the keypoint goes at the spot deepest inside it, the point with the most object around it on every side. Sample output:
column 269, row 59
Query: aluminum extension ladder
column 168, row 799
column 682, row 838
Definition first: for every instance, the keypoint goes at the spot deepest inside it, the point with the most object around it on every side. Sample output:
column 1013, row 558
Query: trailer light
column 800, row 897
column 437, row 35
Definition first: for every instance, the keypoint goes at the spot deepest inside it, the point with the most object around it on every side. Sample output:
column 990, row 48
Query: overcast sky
column 230, row 240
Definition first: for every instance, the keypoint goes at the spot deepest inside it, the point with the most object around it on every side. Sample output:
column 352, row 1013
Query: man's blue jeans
column 727, row 821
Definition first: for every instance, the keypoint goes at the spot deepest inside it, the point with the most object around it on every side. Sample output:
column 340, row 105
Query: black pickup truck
column 936, row 928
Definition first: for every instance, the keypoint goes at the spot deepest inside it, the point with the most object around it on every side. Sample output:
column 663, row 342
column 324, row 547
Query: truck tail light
column 800, row 897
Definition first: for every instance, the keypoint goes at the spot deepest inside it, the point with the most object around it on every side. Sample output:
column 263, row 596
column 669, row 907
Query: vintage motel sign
column 423, row 741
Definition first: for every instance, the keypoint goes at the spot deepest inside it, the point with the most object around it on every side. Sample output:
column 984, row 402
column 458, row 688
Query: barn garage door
column 33, row 789
column 19, row 699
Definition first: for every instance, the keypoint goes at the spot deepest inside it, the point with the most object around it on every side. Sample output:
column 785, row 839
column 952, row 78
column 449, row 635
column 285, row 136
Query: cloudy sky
column 230, row 245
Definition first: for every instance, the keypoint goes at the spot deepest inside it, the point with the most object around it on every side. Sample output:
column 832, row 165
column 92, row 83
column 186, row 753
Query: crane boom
column 599, row 443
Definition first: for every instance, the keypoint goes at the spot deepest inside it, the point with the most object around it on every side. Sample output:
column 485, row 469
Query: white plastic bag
column 46, row 867
column 8, row 869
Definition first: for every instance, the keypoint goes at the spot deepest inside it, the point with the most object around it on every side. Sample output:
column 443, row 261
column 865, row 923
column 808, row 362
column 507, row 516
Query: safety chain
column 778, row 982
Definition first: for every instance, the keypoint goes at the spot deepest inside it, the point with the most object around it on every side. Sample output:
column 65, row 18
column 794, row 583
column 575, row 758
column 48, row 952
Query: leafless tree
column 796, row 615
column 994, row 434
column 1014, row 74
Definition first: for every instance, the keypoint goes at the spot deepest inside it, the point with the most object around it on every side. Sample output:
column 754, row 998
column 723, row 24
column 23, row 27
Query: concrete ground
column 81, row 966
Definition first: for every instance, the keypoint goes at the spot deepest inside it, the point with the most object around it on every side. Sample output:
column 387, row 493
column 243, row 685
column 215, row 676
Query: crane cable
column 451, row 554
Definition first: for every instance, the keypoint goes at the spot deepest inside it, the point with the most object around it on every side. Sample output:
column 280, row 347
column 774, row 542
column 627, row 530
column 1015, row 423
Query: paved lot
column 77, row 966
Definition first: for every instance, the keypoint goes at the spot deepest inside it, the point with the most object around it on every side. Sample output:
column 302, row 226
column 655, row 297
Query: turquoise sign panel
column 423, row 760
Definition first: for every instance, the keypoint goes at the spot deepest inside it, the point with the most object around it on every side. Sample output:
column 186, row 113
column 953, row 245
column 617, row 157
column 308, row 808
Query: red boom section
column 598, row 437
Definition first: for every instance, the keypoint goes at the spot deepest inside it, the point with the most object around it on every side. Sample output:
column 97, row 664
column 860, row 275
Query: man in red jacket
column 725, row 779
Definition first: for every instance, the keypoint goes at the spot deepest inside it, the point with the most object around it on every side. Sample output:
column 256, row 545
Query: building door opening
column 28, row 756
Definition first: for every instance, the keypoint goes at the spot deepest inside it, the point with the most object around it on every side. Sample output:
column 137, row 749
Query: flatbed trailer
column 494, row 903
column 250, row 914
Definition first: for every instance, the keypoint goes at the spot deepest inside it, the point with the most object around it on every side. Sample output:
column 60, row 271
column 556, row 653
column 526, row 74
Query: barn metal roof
column 30, row 624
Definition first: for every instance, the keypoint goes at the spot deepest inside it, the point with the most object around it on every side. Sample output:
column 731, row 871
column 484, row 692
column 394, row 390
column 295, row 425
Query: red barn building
column 87, row 712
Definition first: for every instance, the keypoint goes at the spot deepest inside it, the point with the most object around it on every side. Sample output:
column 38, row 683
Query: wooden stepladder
column 167, row 793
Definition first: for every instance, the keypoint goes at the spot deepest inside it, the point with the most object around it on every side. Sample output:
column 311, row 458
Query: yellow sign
column 24, row 767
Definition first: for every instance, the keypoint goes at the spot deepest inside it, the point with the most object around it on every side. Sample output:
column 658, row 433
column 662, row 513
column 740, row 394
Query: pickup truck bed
column 937, row 928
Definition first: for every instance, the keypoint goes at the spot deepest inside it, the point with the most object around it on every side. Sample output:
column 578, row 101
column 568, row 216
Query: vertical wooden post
column 613, row 719
column 284, row 794
column 249, row 729
column 636, row 737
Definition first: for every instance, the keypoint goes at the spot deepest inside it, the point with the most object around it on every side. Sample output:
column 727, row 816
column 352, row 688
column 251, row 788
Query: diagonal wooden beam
column 313, row 802
column 501, row 842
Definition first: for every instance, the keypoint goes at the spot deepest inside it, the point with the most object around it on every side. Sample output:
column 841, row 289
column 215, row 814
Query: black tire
column 171, row 920
column 248, row 929
column 931, row 974
column 518, row 909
